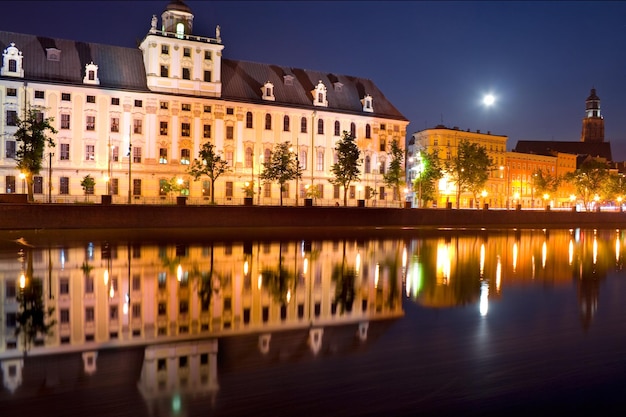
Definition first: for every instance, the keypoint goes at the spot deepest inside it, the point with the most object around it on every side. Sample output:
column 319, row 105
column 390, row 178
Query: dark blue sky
column 433, row 60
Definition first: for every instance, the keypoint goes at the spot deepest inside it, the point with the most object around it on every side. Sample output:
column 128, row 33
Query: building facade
column 134, row 119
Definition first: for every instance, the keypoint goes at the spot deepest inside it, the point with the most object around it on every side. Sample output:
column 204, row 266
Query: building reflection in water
column 178, row 314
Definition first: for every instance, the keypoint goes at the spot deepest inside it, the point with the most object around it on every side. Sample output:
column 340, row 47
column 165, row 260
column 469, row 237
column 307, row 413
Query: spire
column 593, row 122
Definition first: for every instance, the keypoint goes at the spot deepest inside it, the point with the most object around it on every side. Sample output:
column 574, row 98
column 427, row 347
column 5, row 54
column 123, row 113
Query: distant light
column 488, row 100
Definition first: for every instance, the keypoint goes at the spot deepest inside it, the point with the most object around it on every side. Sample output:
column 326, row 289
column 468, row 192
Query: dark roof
column 542, row 147
column 118, row 67
column 123, row 68
column 178, row 5
column 242, row 80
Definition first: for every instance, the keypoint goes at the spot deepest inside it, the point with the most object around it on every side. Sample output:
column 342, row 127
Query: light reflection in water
column 515, row 249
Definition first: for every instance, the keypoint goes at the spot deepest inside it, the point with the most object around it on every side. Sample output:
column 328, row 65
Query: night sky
column 433, row 60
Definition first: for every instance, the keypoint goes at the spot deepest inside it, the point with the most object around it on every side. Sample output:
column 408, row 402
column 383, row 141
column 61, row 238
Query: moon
column 488, row 100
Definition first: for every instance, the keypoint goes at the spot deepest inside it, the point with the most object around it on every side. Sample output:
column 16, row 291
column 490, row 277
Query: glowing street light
column 23, row 178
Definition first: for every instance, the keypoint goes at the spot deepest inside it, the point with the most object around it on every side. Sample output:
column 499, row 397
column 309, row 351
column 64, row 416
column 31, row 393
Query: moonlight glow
column 488, row 100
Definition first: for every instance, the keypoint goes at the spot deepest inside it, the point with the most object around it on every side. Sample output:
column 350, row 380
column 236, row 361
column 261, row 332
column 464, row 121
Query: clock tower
column 593, row 122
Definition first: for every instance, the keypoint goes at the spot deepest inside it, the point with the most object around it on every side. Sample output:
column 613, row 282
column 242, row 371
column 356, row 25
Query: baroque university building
column 136, row 118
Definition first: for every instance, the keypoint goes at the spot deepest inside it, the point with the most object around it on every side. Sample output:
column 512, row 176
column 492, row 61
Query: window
column 163, row 128
column 320, row 127
column 286, row 124
column 353, row 129
column 164, row 105
column 11, row 92
column 249, row 120
column 89, row 314
column 137, row 126
column 91, row 75
column 162, row 155
column 320, row 161
column 115, row 124
column 303, row 125
column 37, row 184
column 115, row 101
column 66, row 97
column 138, row 103
column 186, row 51
column 89, row 284
column 10, row 289
column 39, row 117
column 206, row 188
column 229, row 132
column 383, row 145
column 136, row 155
column 337, row 128
column 186, row 107
column 91, row 123
column 39, row 94
column 267, row 190
column 91, row 99
column 136, row 310
column 383, row 126
column 207, row 131
column 185, row 155
column 165, row 71
column 249, row 156
column 64, row 286
column 185, row 129
column 229, row 157
column 10, row 149
column 11, row 118
column 137, row 187
column 207, row 55
column 229, row 188
column 186, row 73
column 303, row 159
column 207, row 76
column 115, row 153
column 230, row 110
column 368, row 131
column 268, row 121
column 113, row 312
column 64, row 316
column 207, row 109
column 12, row 65
column 165, row 49
column 90, row 152
column 65, row 152
column 10, row 184
column 115, row 186
column 65, row 121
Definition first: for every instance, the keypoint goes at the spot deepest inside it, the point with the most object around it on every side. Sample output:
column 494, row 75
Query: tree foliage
column 32, row 136
column 615, row 187
column 429, row 172
column 394, row 177
column 281, row 167
column 544, row 182
column 469, row 169
column 209, row 163
column 589, row 180
column 346, row 169
column 88, row 184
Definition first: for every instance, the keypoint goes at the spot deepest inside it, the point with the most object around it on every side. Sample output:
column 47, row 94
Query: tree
column 469, row 169
column 346, row 169
column 615, row 188
column 281, row 167
column 32, row 136
column 545, row 183
column 429, row 172
column 589, row 180
column 394, row 176
column 211, row 164
column 88, row 184
column 173, row 185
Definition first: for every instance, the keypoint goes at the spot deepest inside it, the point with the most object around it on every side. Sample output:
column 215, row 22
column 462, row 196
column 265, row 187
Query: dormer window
column 91, row 74
column 268, row 91
column 338, row 86
column 53, row 54
column 368, row 105
column 288, row 79
column 12, row 62
column 319, row 95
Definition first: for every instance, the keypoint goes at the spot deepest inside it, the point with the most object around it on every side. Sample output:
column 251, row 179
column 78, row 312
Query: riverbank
column 231, row 218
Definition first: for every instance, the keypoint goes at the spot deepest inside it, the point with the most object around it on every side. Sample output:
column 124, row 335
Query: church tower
column 593, row 122
column 178, row 61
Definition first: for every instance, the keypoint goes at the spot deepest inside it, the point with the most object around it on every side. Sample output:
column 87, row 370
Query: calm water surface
column 418, row 323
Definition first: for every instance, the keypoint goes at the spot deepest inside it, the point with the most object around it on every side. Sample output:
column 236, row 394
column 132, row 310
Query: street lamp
column 483, row 194
column 23, row 178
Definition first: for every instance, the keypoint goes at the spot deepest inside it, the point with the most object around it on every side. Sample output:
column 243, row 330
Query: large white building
column 139, row 116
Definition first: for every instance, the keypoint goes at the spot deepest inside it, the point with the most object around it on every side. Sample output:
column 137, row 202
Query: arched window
column 267, row 156
column 368, row 164
column 320, row 161
column 368, row 131
column 268, row 121
column 185, row 155
column 337, row 128
column 353, row 130
column 12, row 65
column 303, row 159
column 249, row 120
column 249, row 156
column 320, row 127
column 303, row 125
column 286, row 124
column 180, row 30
